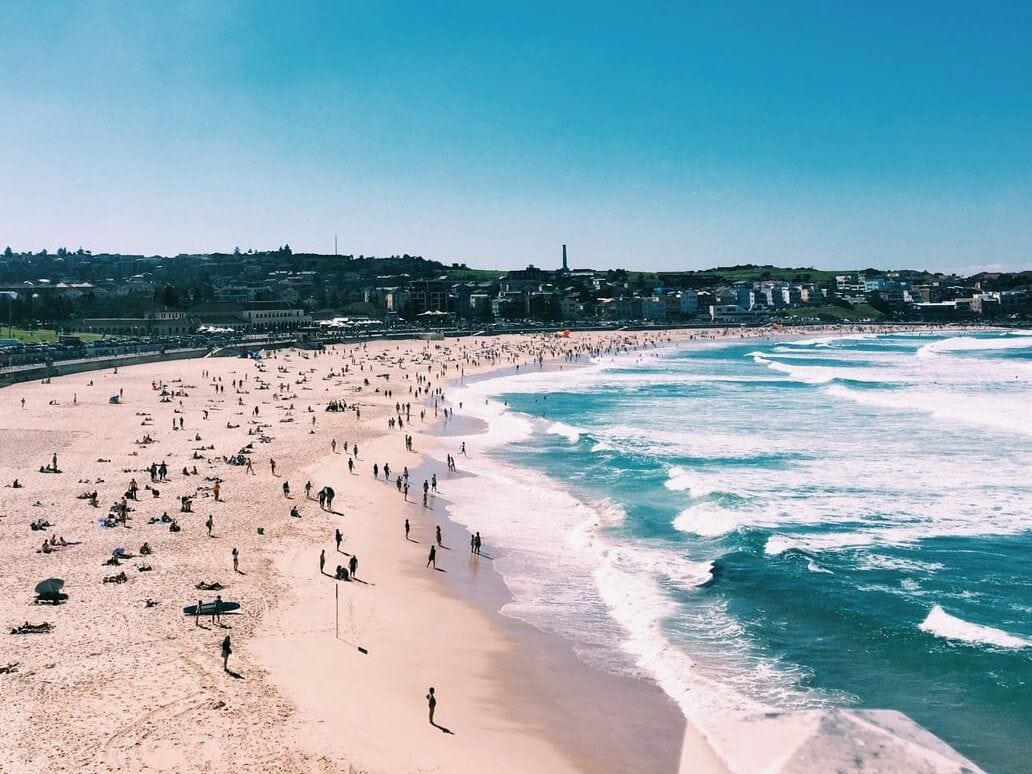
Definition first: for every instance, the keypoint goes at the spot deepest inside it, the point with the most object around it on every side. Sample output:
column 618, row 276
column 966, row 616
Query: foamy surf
column 571, row 434
column 941, row 624
column 741, row 527
column 680, row 480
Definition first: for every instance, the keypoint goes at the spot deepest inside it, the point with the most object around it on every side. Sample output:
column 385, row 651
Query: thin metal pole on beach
column 336, row 605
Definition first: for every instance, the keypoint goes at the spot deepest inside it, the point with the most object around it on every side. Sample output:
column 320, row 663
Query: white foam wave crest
column 656, row 441
column 1022, row 340
column 871, row 561
column 778, row 544
column 941, row 624
column 812, row 566
column 813, row 543
column 707, row 520
column 1010, row 414
column 680, row 480
column 571, row 434
column 632, row 598
column 826, row 340
column 825, row 374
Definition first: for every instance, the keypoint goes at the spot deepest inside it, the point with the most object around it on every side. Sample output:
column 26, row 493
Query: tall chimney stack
column 565, row 267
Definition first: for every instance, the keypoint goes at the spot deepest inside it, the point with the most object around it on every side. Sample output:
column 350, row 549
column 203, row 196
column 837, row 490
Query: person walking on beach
column 272, row 465
column 351, row 464
column 286, row 489
column 236, row 559
column 472, row 544
column 431, row 703
column 250, row 467
column 322, row 561
column 376, row 470
column 338, row 537
column 215, row 490
column 226, row 651
column 476, row 544
column 308, row 491
column 407, row 528
column 209, row 524
column 330, row 494
column 353, row 565
column 216, row 610
column 432, row 558
column 438, row 534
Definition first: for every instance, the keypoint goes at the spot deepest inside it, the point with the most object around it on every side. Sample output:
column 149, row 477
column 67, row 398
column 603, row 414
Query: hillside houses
column 280, row 290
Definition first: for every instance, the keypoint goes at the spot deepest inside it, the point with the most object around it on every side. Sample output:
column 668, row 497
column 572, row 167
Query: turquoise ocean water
column 840, row 521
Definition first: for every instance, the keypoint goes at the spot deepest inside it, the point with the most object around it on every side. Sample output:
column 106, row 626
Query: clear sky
column 643, row 134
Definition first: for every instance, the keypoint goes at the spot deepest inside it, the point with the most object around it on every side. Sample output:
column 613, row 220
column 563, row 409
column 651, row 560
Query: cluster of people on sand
column 49, row 546
column 350, row 572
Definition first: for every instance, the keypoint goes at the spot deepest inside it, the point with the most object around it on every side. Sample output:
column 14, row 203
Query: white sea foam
column 997, row 412
column 571, row 434
column 707, row 520
column 823, row 374
column 826, row 340
column 874, row 561
column 941, row 624
column 681, row 480
column 972, row 344
column 778, row 544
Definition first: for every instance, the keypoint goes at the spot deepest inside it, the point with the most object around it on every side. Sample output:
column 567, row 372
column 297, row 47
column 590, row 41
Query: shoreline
column 650, row 732
column 318, row 702
column 773, row 735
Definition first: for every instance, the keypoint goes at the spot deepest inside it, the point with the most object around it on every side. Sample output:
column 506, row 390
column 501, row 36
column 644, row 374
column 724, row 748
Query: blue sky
column 647, row 135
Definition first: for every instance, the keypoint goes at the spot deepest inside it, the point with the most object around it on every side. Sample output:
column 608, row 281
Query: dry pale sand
column 117, row 685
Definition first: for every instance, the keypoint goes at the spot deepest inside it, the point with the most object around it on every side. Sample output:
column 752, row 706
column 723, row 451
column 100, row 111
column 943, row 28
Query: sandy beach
column 324, row 674
column 120, row 685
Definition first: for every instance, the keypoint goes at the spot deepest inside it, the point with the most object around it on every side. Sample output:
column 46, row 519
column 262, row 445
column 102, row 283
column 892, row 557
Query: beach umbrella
column 49, row 587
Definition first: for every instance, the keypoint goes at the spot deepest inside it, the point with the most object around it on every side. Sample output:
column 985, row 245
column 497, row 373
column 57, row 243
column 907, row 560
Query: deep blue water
column 841, row 521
